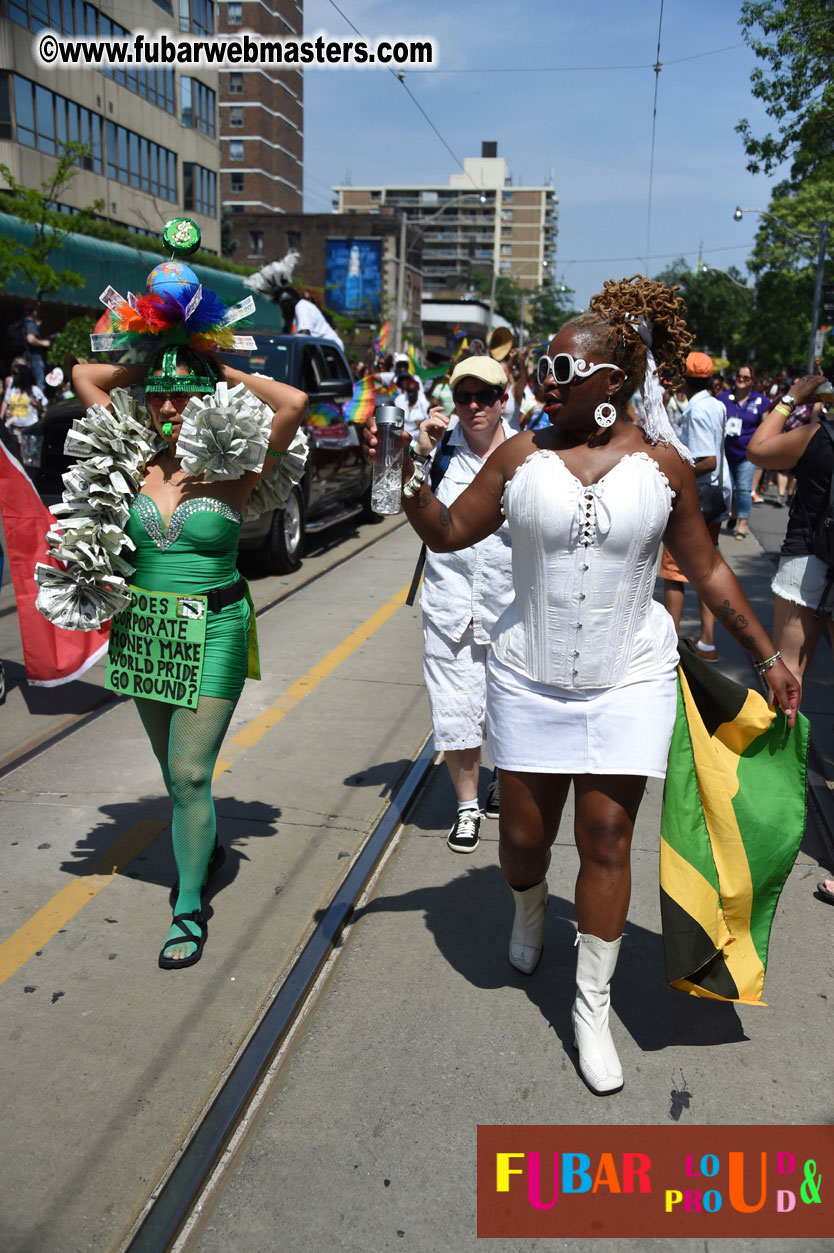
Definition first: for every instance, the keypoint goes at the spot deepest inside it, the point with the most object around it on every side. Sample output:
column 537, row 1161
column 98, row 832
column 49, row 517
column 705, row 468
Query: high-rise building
column 152, row 132
column 479, row 220
column 261, row 128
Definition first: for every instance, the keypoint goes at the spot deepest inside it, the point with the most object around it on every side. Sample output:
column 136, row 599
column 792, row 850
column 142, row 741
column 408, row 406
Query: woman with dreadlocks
column 190, row 457
column 582, row 677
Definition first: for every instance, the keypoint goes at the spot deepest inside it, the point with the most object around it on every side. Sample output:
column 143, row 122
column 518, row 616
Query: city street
column 419, row 1030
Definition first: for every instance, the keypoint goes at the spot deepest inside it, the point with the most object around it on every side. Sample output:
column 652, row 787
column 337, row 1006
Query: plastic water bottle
column 387, row 486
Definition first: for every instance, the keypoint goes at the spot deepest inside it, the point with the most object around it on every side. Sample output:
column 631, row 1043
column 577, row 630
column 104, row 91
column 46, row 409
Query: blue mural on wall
column 353, row 278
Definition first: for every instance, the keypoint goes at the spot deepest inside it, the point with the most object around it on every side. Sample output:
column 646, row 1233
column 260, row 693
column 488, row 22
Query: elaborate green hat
column 201, row 377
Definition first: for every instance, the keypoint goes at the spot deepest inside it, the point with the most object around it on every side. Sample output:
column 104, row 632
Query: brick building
column 261, row 129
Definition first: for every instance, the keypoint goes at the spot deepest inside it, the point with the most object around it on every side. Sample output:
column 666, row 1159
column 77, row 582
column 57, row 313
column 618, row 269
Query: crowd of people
column 544, row 485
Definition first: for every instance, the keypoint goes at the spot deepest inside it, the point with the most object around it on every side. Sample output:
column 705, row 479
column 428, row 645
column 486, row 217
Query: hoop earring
column 605, row 415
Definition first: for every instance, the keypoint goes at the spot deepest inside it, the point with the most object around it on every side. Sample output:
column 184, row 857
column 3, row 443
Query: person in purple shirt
column 745, row 410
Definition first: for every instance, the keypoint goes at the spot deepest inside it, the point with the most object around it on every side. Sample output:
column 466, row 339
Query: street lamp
column 404, row 223
column 714, row 269
column 822, row 238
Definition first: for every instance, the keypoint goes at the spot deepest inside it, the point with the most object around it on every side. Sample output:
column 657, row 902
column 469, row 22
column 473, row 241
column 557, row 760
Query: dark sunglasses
column 486, row 396
column 178, row 399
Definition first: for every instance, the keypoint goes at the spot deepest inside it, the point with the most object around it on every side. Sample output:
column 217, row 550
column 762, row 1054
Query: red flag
column 51, row 655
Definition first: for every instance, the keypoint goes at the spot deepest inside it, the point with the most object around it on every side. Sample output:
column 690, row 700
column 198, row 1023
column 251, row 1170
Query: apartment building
column 261, row 129
column 152, row 132
column 479, row 220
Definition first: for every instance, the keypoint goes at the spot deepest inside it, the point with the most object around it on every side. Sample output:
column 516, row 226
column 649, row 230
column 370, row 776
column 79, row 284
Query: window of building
column 199, row 187
column 236, row 182
column 198, row 105
column 235, row 149
column 236, row 117
column 294, row 241
column 46, row 121
column 376, row 195
column 139, row 162
column 507, row 195
column 236, row 83
column 506, row 250
column 202, row 17
column 256, row 243
column 234, row 14
column 5, row 107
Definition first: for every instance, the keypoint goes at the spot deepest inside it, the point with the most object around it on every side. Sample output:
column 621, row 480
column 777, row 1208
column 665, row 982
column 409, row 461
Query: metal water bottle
column 387, row 486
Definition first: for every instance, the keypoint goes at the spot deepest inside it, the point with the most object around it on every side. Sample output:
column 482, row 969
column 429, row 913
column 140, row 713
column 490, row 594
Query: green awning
column 102, row 263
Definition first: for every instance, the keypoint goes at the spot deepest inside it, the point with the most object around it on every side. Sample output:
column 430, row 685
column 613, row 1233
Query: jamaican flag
column 733, row 819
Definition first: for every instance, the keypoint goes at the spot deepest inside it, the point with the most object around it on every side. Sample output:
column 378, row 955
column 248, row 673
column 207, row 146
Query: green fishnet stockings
column 186, row 743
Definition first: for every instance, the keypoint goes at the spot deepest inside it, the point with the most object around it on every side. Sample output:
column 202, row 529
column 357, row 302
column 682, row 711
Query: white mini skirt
column 801, row 580
column 536, row 728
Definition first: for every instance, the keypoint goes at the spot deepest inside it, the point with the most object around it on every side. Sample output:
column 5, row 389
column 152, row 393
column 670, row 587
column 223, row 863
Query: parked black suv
column 336, row 484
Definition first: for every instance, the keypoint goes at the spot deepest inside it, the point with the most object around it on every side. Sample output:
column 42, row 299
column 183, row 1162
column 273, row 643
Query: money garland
column 88, row 535
column 222, row 437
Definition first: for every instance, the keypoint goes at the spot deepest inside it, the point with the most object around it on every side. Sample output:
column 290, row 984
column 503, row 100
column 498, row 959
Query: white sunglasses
column 565, row 368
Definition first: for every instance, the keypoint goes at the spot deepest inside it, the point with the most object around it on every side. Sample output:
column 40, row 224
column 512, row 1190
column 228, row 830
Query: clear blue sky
column 591, row 127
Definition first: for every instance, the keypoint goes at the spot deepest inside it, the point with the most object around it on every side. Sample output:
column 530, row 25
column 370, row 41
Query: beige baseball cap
column 485, row 369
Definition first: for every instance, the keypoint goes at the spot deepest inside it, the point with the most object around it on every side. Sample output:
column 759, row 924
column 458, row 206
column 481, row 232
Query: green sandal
column 187, row 937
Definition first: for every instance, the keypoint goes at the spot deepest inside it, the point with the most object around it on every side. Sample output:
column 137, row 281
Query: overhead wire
column 401, row 80
column 657, row 69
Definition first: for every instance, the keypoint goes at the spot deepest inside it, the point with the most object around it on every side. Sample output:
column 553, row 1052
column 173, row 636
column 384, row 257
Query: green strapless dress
column 198, row 552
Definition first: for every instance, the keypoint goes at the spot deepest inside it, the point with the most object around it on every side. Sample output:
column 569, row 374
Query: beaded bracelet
column 272, row 453
column 761, row 666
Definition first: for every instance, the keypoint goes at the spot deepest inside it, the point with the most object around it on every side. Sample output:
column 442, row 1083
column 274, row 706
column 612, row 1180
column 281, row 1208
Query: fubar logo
column 654, row 1181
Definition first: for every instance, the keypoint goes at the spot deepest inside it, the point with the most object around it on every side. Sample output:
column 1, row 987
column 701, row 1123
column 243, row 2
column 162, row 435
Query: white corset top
column 584, row 563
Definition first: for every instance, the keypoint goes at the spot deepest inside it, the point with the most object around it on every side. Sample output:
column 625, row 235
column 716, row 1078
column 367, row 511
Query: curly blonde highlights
column 609, row 320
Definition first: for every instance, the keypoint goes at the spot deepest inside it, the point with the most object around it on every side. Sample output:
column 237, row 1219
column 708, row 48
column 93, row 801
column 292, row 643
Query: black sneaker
column 491, row 806
column 464, row 836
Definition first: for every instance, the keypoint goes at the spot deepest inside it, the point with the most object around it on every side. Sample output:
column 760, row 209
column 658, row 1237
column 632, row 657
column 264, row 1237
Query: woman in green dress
column 185, row 530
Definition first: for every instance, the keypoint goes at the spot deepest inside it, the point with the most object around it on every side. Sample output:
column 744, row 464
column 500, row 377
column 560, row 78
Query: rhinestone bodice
column 197, row 552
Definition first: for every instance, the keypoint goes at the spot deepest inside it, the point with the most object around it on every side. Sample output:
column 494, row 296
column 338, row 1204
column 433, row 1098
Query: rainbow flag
column 464, row 348
column 324, row 414
column 457, row 333
column 412, row 361
column 381, row 341
column 361, row 405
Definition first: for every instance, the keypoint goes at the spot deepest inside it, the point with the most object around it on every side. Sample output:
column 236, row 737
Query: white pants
column 455, row 675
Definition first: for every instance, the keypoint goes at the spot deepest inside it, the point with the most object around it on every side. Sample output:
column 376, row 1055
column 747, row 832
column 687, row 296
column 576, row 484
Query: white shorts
column 540, row 729
column 455, row 675
column 801, row 580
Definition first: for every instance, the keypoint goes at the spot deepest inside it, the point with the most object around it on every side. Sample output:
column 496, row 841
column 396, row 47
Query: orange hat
column 698, row 366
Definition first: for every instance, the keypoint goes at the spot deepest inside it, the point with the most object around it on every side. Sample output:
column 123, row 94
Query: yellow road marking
column 58, row 911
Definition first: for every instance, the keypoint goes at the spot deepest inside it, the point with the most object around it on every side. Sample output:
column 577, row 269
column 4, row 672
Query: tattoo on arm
column 424, row 499
column 443, row 516
column 735, row 622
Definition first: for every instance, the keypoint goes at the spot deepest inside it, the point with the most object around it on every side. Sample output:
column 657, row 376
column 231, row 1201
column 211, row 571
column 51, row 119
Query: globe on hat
column 171, row 278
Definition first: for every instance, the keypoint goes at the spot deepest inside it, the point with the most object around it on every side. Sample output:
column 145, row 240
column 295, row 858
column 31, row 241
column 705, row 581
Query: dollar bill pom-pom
column 224, row 435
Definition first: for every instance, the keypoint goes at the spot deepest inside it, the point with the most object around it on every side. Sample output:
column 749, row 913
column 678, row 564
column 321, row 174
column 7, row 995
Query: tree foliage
column 40, row 210
column 717, row 308
column 74, row 339
column 545, row 308
column 795, row 39
column 549, row 307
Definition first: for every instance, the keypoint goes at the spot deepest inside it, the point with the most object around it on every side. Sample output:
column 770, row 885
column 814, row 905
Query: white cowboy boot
column 599, row 1064
column 528, row 927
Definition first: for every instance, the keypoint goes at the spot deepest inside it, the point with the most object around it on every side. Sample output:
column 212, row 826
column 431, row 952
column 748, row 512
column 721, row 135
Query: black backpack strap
column 439, row 467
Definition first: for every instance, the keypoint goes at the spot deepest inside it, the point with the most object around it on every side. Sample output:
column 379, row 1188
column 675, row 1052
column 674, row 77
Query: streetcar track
column 179, row 1196
column 78, row 722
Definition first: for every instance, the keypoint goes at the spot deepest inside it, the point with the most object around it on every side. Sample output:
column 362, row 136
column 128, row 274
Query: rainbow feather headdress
column 176, row 309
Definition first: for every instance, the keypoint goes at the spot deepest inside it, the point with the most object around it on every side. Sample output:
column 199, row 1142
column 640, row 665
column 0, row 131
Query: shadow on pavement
column 470, row 918
column 237, row 823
